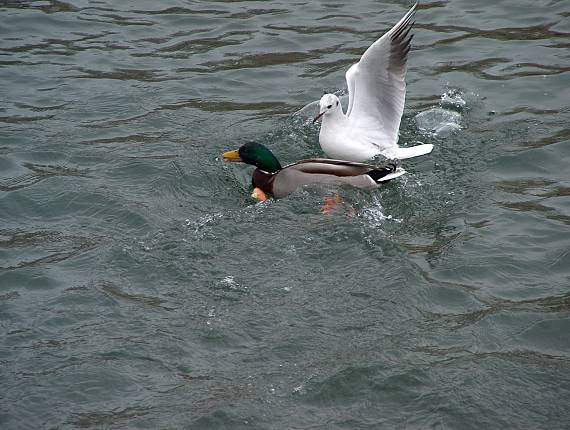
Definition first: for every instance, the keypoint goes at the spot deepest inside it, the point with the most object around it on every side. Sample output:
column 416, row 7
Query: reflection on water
column 141, row 287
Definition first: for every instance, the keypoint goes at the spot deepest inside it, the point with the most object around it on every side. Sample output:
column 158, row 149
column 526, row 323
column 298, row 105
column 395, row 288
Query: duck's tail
column 385, row 174
column 398, row 172
column 414, row 151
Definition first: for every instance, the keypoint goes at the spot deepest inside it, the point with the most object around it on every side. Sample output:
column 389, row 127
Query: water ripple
column 138, row 277
column 38, row 174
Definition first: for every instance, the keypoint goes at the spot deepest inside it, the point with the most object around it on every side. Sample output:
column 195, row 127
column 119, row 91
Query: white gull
column 377, row 91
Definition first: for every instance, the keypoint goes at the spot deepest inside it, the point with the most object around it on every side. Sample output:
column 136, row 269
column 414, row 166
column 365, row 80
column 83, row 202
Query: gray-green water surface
column 141, row 287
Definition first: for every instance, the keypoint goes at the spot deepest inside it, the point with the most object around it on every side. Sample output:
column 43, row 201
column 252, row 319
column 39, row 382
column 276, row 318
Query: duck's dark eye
column 329, row 106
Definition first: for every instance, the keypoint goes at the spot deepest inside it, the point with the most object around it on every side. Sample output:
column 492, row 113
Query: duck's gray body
column 323, row 171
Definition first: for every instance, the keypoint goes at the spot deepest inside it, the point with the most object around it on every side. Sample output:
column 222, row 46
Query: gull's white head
column 329, row 103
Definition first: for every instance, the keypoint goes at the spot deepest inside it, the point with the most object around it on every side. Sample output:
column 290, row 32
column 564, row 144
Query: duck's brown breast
column 263, row 180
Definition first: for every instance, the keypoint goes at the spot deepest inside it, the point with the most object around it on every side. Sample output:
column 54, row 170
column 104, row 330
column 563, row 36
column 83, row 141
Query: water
column 140, row 287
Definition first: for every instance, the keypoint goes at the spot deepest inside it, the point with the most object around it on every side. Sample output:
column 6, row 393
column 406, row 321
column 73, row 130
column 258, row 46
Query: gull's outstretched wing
column 377, row 89
column 350, row 84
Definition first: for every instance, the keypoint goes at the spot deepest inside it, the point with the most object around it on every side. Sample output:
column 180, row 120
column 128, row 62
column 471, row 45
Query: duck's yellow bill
column 258, row 194
column 232, row 156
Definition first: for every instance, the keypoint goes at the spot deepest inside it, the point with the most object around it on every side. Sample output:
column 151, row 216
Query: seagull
column 376, row 94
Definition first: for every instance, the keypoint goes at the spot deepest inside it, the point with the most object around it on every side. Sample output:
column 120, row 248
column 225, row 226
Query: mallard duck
column 376, row 94
column 271, row 178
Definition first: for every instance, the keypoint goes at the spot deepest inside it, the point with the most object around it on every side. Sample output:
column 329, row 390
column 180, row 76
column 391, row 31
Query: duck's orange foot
column 332, row 203
column 258, row 194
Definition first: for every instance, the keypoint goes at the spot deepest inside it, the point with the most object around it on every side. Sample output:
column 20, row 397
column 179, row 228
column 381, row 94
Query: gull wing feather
column 377, row 89
column 350, row 84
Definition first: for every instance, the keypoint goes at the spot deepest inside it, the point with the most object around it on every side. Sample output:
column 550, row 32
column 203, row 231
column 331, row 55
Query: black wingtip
column 405, row 25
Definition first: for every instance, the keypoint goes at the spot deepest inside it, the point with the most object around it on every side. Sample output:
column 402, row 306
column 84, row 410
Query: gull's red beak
column 317, row 117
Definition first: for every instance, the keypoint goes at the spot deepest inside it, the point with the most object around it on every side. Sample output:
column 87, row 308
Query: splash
column 230, row 283
column 201, row 225
column 438, row 122
column 445, row 119
column 375, row 216
column 453, row 99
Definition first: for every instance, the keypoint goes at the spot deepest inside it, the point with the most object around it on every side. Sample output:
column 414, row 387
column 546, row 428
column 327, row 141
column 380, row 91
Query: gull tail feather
column 414, row 151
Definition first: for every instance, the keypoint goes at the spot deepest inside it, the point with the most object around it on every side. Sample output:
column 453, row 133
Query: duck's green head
column 255, row 154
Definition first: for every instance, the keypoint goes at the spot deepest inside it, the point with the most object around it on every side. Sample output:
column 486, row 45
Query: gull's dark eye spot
column 337, row 102
column 329, row 106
